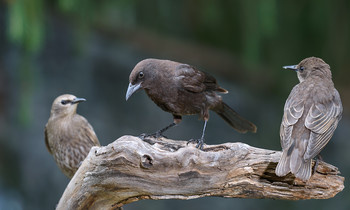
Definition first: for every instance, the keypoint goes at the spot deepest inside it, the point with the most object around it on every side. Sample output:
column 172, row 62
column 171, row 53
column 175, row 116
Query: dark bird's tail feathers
column 235, row 120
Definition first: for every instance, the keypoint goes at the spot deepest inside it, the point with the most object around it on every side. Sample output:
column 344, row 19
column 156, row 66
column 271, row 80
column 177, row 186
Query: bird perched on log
column 68, row 135
column 183, row 90
column 311, row 114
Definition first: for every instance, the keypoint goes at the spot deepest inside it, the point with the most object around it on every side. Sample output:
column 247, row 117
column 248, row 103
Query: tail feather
column 291, row 163
column 304, row 171
column 235, row 120
column 283, row 166
column 296, row 160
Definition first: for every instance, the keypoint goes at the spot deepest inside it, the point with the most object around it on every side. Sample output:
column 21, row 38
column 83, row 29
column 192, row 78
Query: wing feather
column 293, row 110
column 322, row 120
column 47, row 140
column 196, row 81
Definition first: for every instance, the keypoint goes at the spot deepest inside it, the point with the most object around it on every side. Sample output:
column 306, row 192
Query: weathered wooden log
column 131, row 169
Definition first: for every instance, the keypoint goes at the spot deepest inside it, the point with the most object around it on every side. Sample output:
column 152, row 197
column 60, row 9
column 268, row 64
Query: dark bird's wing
column 196, row 81
column 47, row 141
column 211, row 84
column 322, row 120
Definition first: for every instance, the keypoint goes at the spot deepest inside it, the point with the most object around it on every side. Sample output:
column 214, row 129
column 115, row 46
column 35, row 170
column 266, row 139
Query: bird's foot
column 318, row 159
column 199, row 142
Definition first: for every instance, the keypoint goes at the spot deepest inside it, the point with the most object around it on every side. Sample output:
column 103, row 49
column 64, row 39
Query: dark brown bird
column 183, row 90
column 68, row 135
column 311, row 114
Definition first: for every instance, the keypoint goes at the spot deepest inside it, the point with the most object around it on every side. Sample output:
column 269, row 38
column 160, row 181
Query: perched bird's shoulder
column 314, row 90
column 297, row 94
column 184, row 71
column 83, row 126
column 189, row 78
column 323, row 91
column 79, row 120
column 194, row 80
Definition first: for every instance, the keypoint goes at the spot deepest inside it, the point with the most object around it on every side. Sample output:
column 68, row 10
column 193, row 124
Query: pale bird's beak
column 132, row 89
column 292, row 67
column 78, row 100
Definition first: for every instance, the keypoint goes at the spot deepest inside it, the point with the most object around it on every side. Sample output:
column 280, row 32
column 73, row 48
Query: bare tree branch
column 130, row 169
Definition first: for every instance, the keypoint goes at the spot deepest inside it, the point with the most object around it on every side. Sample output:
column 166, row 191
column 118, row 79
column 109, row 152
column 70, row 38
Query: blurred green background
column 88, row 48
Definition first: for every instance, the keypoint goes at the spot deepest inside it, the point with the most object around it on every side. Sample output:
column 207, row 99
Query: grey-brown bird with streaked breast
column 68, row 135
column 311, row 114
column 183, row 90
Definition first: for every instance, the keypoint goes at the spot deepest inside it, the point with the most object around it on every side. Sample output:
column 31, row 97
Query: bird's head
column 142, row 76
column 309, row 67
column 65, row 105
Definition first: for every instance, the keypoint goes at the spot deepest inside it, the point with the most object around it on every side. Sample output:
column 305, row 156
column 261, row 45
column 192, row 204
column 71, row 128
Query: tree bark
column 131, row 169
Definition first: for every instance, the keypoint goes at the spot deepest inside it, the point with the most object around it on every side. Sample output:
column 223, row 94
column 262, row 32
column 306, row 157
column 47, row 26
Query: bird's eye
column 301, row 68
column 141, row 74
column 64, row 102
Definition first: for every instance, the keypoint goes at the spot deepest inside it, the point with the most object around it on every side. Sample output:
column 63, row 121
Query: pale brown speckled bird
column 311, row 114
column 68, row 135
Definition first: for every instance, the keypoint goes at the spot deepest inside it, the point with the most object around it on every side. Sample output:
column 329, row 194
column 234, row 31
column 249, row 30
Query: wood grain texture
column 130, row 169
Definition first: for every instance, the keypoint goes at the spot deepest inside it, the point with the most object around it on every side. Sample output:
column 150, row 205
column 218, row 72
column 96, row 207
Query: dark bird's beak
column 132, row 89
column 78, row 100
column 292, row 67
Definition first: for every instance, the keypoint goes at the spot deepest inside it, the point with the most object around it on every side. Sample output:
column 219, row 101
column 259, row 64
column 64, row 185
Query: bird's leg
column 159, row 133
column 200, row 141
column 318, row 159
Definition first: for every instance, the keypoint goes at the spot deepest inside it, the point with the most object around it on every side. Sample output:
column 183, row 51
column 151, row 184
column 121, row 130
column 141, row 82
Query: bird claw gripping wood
column 156, row 135
column 200, row 143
